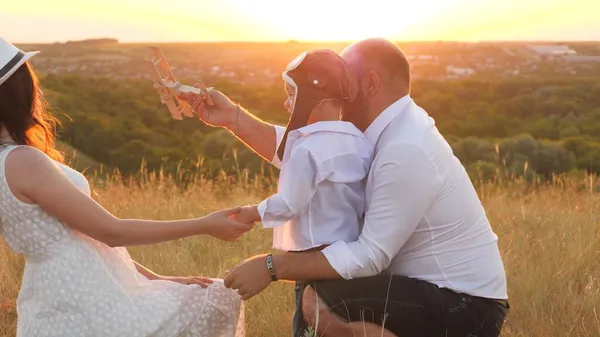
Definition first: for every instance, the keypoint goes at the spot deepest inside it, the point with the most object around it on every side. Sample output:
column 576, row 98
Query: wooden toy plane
column 169, row 88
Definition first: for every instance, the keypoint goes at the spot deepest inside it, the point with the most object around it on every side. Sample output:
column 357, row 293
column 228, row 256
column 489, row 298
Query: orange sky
column 268, row 20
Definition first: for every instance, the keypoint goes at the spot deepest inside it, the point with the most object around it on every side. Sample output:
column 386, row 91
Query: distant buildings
column 412, row 57
column 551, row 50
column 561, row 52
column 581, row 58
column 456, row 72
column 263, row 64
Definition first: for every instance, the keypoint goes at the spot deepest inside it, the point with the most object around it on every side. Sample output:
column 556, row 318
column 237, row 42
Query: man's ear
column 372, row 83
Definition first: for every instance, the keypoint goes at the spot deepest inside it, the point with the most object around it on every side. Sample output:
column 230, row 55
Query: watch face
column 296, row 62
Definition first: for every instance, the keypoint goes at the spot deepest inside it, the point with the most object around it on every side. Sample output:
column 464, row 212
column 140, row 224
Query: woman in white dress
column 78, row 278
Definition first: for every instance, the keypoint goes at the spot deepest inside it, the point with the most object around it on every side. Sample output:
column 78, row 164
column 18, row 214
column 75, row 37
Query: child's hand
column 223, row 224
column 247, row 215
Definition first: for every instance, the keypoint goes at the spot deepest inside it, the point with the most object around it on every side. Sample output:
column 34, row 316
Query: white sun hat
column 11, row 58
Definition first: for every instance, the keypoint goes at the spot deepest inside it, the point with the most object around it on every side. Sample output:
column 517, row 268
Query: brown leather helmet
column 316, row 76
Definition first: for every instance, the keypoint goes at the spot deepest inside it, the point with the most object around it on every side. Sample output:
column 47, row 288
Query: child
column 320, row 197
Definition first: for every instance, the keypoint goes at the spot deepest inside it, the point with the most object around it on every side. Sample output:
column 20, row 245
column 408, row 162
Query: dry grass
column 549, row 238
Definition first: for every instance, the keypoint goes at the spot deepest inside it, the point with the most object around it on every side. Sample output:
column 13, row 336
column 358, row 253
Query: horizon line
column 306, row 41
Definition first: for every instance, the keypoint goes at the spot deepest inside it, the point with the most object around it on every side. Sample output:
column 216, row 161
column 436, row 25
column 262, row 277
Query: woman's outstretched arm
column 34, row 178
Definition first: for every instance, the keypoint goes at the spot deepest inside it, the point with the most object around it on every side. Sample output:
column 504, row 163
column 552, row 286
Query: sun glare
column 303, row 20
column 319, row 20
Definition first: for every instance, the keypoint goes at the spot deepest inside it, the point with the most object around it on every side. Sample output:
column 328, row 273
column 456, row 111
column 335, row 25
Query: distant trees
column 94, row 41
column 516, row 155
column 520, row 126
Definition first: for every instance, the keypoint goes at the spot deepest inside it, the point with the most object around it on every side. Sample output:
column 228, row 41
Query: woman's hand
column 149, row 274
column 199, row 280
column 222, row 224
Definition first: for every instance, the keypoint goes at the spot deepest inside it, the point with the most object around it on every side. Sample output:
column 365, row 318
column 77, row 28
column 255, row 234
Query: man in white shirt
column 427, row 261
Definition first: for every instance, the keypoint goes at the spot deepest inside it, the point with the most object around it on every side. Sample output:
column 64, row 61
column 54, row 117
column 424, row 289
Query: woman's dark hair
column 24, row 112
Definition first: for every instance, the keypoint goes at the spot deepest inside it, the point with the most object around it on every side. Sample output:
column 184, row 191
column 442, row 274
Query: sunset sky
column 314, row 20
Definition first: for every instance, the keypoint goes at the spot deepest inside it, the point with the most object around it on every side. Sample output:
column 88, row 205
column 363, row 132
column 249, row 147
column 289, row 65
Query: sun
column 336, row 20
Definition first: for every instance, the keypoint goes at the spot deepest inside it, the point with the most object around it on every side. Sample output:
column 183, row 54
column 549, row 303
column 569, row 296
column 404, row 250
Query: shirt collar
column 330, row 126
column 323, row 126
column 373, row 132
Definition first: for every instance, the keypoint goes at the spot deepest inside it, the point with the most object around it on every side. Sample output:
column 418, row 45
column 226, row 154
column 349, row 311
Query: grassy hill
column 77, row 159
column 549, row 238
column 73, row 157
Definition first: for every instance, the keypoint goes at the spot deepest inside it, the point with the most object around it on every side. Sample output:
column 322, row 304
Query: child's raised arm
column 297, row 185
column 304, row 170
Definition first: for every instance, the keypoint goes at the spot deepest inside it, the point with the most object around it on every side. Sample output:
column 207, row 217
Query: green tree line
column 531, row 127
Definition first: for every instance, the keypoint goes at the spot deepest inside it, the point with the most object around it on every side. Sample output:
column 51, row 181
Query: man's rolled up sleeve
column 404, row 186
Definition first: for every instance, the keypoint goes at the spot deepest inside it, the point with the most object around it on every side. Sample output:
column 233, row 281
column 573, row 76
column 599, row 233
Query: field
column 549, row 239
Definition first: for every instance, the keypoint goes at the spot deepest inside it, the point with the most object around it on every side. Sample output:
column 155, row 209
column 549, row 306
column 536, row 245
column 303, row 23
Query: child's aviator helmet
column 316, row 76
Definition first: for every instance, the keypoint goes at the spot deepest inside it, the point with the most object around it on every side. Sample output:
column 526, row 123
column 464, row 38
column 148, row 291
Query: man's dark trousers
column 410, row 307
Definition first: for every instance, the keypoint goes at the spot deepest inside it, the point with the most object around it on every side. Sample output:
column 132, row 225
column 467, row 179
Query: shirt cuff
column 262, row 211
column 342, row 259
column 279, row 131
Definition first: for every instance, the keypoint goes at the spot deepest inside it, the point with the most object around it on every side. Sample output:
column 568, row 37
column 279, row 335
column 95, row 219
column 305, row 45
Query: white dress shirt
column 423, row 217
column 321, row 193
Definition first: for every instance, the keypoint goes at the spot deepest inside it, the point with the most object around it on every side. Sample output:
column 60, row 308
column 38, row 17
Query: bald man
column 427, row 261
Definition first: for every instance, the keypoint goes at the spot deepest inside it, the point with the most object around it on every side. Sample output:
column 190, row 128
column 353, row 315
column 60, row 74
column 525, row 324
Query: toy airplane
column 169, row 88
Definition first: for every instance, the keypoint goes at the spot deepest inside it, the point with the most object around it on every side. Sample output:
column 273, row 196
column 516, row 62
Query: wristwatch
column 271, row 267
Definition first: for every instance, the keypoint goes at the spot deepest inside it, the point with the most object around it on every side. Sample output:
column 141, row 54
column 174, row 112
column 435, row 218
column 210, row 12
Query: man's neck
column 383, row 104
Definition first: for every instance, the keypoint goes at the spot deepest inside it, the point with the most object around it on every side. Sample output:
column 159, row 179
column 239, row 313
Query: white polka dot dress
column 74, row 285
